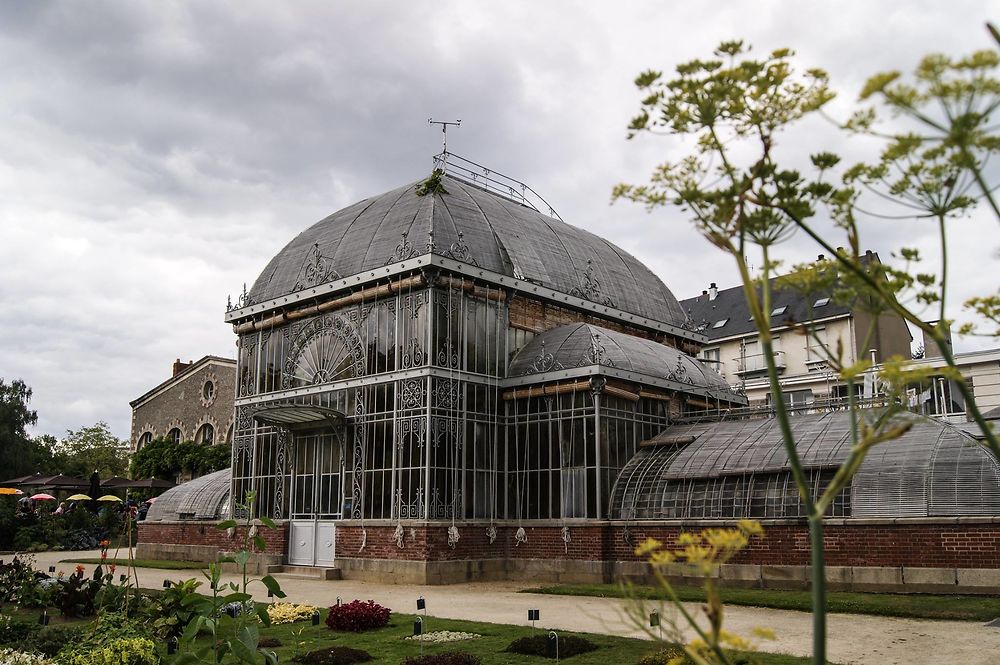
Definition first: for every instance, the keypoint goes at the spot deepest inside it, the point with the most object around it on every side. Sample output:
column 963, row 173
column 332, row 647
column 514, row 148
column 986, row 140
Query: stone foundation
column 924, row 555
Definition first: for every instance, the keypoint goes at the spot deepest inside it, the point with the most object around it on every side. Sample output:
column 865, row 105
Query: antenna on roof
column 444, row 130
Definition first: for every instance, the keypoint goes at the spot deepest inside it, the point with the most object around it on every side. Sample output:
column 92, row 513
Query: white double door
column 312, row 543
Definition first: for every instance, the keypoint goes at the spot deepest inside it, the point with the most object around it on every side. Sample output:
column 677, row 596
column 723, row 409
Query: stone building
column 194, row 404
column 447, row 382
column 733, row 347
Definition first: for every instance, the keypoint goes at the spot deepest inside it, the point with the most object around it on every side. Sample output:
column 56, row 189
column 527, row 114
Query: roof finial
column 444, row 131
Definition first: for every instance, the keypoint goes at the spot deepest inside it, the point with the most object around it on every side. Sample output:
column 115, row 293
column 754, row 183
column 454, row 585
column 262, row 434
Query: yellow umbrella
column 10, row 491
column 109, row 497
column 79, row 497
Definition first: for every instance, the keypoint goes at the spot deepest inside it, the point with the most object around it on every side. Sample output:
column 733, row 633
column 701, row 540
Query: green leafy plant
column 743, row 200
column 334, row 656
column 234, row 632
column 537, row 645
column 170, row 613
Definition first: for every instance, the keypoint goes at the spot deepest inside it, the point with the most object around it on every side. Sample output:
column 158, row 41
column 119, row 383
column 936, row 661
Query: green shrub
column 14, row 632
column 117, row 651
column 537, row 645
column 50, row 640
column 168, row 613
column 20, row 583
column 75, row 595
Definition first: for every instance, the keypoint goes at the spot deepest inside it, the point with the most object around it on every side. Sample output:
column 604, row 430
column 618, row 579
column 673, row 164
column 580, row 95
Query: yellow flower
column 649, row 545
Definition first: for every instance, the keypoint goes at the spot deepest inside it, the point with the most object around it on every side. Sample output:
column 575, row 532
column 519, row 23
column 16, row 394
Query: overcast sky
column 155, row 155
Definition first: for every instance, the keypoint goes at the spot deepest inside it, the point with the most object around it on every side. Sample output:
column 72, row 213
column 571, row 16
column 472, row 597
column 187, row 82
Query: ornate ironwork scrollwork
column 597, row 354
column 404, row 250
column 412, row 394
column 413, row 355
column 318, row 269
column 590, row 287
column 242, row 300
column 460, row 251
column 543, row 362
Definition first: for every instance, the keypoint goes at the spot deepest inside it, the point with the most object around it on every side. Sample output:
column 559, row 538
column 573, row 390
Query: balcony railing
column 756, row 364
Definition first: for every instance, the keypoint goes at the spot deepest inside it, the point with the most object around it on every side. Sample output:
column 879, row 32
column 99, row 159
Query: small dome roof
column 933, row 469
column 204, row 498
column 582, row 344
column 477, row 227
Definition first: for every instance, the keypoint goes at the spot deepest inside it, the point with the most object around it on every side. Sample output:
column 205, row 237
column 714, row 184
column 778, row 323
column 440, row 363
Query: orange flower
column 112, row 569
column 105, row 543
column 79, row 569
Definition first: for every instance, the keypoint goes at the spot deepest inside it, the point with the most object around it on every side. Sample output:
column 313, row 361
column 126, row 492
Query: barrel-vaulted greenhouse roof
column 933, row 469
column 475, row 226
column 204, row 498
column 582, row 344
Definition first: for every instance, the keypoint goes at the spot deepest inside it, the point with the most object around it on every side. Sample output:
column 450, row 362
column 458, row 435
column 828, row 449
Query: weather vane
column 444, row 131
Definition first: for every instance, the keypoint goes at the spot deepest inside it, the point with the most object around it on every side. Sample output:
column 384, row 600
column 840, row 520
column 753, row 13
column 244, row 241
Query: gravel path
column 853, row 639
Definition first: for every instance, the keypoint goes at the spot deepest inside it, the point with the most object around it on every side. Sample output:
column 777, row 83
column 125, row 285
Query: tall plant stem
column 817, row 561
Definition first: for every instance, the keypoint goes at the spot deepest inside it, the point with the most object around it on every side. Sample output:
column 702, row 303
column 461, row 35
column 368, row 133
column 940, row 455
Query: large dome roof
column 478, row 226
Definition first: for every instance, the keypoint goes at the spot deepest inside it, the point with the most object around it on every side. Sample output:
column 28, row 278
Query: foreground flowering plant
column 289, row 612
column 699, row 554
column 13, row 657
column 357, row 616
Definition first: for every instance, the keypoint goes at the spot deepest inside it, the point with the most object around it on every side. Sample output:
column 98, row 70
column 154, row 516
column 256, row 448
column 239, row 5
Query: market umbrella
column 64, row 482
column 79, row 497
column 114, row 481
column 42, row 497
column 108, row 497
column 9, row 491
column 19, row 480
column 36, row 480
column 148, row 483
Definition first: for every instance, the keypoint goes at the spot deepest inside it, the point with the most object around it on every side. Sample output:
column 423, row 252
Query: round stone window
column 208, row 391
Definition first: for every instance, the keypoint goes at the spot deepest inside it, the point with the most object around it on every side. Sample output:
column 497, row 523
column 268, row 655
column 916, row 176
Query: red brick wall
column 937, row 545
column 923, row 545
column 205, row 533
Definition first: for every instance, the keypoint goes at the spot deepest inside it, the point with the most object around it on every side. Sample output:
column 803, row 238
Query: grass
column 918, row 606
column 162, row 564
column 387, row 645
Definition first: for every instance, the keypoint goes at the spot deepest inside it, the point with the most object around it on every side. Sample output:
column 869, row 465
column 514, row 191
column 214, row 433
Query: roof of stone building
column 474, row 226
column 583, row 344
column 204, row 498
column 787, row 306
column 933, row 469
column 184, row 374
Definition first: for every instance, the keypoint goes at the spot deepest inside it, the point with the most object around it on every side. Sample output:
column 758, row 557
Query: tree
column 744, row 200
column 162, row 458
column 90, row 449
column 17, row 457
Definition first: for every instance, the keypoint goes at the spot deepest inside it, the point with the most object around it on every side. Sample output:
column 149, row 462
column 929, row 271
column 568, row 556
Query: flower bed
column 289, row 612
column 358, row 616
column 441, row 636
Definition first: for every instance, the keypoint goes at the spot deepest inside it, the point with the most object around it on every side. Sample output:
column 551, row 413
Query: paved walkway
column 853, row 639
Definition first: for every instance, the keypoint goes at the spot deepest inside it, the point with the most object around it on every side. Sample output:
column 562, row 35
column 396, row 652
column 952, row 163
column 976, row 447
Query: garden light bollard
column 418, row 630
column 422, row 604
column 171, row 646
column 43, row 618
column 122, row 577
column 654, row 622
column 338, row 601
column 552, row 645
column 315, row 616
column 166, row 584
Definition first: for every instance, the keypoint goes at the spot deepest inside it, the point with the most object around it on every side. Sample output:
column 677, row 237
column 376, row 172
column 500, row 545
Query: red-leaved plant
column 357, row 616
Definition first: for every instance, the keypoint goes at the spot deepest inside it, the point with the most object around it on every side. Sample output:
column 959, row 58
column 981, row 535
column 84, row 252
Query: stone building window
column 208, row 391
column 174, row 435
column 206, row 434
column 143, row 440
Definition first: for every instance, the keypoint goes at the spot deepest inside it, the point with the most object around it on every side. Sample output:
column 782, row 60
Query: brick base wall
column 944, row 543
column 947, row 543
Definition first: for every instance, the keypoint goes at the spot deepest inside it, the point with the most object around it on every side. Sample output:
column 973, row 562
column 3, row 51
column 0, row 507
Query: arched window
column 206, row 434
column 229, row 435
column 174, row 435
column 145, row 438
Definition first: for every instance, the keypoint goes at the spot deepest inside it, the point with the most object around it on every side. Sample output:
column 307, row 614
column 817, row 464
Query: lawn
column 162, row 564
column 919, row 606
column 387, row 645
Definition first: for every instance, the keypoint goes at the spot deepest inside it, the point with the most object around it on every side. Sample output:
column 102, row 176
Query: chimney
column 713, row 291
column 931, row 348
column 180, row 367
column 821, row 257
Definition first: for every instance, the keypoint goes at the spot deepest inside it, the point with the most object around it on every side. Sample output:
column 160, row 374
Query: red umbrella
column 43, row 497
